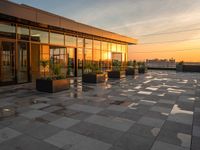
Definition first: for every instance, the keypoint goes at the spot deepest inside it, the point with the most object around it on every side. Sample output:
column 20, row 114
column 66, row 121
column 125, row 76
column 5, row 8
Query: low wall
column 191, row 68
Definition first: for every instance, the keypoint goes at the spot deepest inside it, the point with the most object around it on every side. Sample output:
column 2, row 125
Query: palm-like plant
column 44, row 64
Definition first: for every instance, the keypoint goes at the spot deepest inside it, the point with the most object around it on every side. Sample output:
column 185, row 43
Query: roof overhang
column 39, row 16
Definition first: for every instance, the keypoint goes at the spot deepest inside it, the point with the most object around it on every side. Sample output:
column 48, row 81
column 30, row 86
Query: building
column 161, row 64
column 29, row 35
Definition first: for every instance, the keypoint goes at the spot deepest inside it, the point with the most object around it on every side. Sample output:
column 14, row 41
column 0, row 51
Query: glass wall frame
column 88, row 50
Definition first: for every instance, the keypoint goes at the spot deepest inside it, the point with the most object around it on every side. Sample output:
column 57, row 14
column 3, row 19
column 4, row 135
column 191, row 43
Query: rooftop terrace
column 158, row 110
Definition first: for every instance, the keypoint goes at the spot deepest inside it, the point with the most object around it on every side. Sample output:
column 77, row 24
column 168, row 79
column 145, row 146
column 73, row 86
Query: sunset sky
column 164, row 28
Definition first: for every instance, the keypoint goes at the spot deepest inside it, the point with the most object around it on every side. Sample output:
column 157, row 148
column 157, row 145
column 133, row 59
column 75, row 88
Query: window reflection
column 70, row 41
column 88, row 54
column 119, row 48
column 23, row 33
column 104, row 45
column 97, row 44
column 56, row 38
column 96, row 55
column 44, row 55
column 114, row 47
column 88, row 43
column 39, row 36
column 7, row 30
column 80, row 42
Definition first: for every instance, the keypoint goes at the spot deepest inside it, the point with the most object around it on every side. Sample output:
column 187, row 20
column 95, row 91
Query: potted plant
column 116, row 71
column 132, row 68
column 92, row 74
column 54, row 83
column 179, row 66
column 142, row 67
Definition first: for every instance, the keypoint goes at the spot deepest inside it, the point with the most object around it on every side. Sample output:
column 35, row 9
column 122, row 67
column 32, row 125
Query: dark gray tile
column 43, row 131
column 133, row 142
column 177, row 127
column 25, row 142
column 158, row 145
column 131, row 114
column 176, row 138
column 101, row 133
column 195, row 143
column 145, row 131
column 156, row 115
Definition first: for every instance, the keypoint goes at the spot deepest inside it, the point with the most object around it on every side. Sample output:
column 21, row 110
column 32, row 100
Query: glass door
column 79, row 54
column 7, row 62
column 58, row 59
column 35, row 61
column 23, row 51
column 71, row 62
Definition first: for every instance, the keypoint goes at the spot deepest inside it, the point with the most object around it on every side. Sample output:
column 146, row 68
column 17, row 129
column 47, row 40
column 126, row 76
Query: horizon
column 165, row 29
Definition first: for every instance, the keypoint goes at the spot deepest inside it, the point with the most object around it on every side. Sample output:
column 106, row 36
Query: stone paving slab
column 133, row 142
column 7, row 134
column 33, row 114
column 154, row 111
column 151, row 122
column 176, row 138
column 117, row 108
column 158, row 145
column 74, row 141
column 181, row 116
column 114, row 123
column 85, row 108
column 39, row 105
column 64, row 122
column 98, row 132
column 25, row 142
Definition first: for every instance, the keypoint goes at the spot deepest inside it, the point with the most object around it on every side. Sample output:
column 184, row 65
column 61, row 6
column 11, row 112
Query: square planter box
column 52, row 86
column 142, row 70
column 116, row 74
column 94, row 78
column 131, row 71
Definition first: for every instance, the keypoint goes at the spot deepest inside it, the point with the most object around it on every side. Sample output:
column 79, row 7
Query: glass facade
column 57, row 39
column 23, row 33
column 7, row 30
column 70, row 41
column 39, row 36
column 72, row 53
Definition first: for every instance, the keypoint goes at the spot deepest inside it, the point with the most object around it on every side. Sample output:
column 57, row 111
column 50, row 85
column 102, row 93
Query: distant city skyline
column 165, row 28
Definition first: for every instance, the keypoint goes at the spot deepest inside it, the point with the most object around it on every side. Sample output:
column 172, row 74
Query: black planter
column 131, row 71
column 94, row 78
column 142, row 70
column 116, row 74
column 52, row 86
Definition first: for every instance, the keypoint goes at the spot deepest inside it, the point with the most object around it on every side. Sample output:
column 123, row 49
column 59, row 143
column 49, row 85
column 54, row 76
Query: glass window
column 123, row 48
column 97, row 44
column 109, row 46
column 23, row 33
column 39, row 36
column 88, row 43
column 104, row 55
column 56, row 38
column 7, row 30
column 114, row 47
column 80, row 42
column 97, row 55
column 7, row 61
column 119, row 48
column 70, row 41
column 80, row 60
column 44, row 55
column 104, row 46
column 88, row 54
